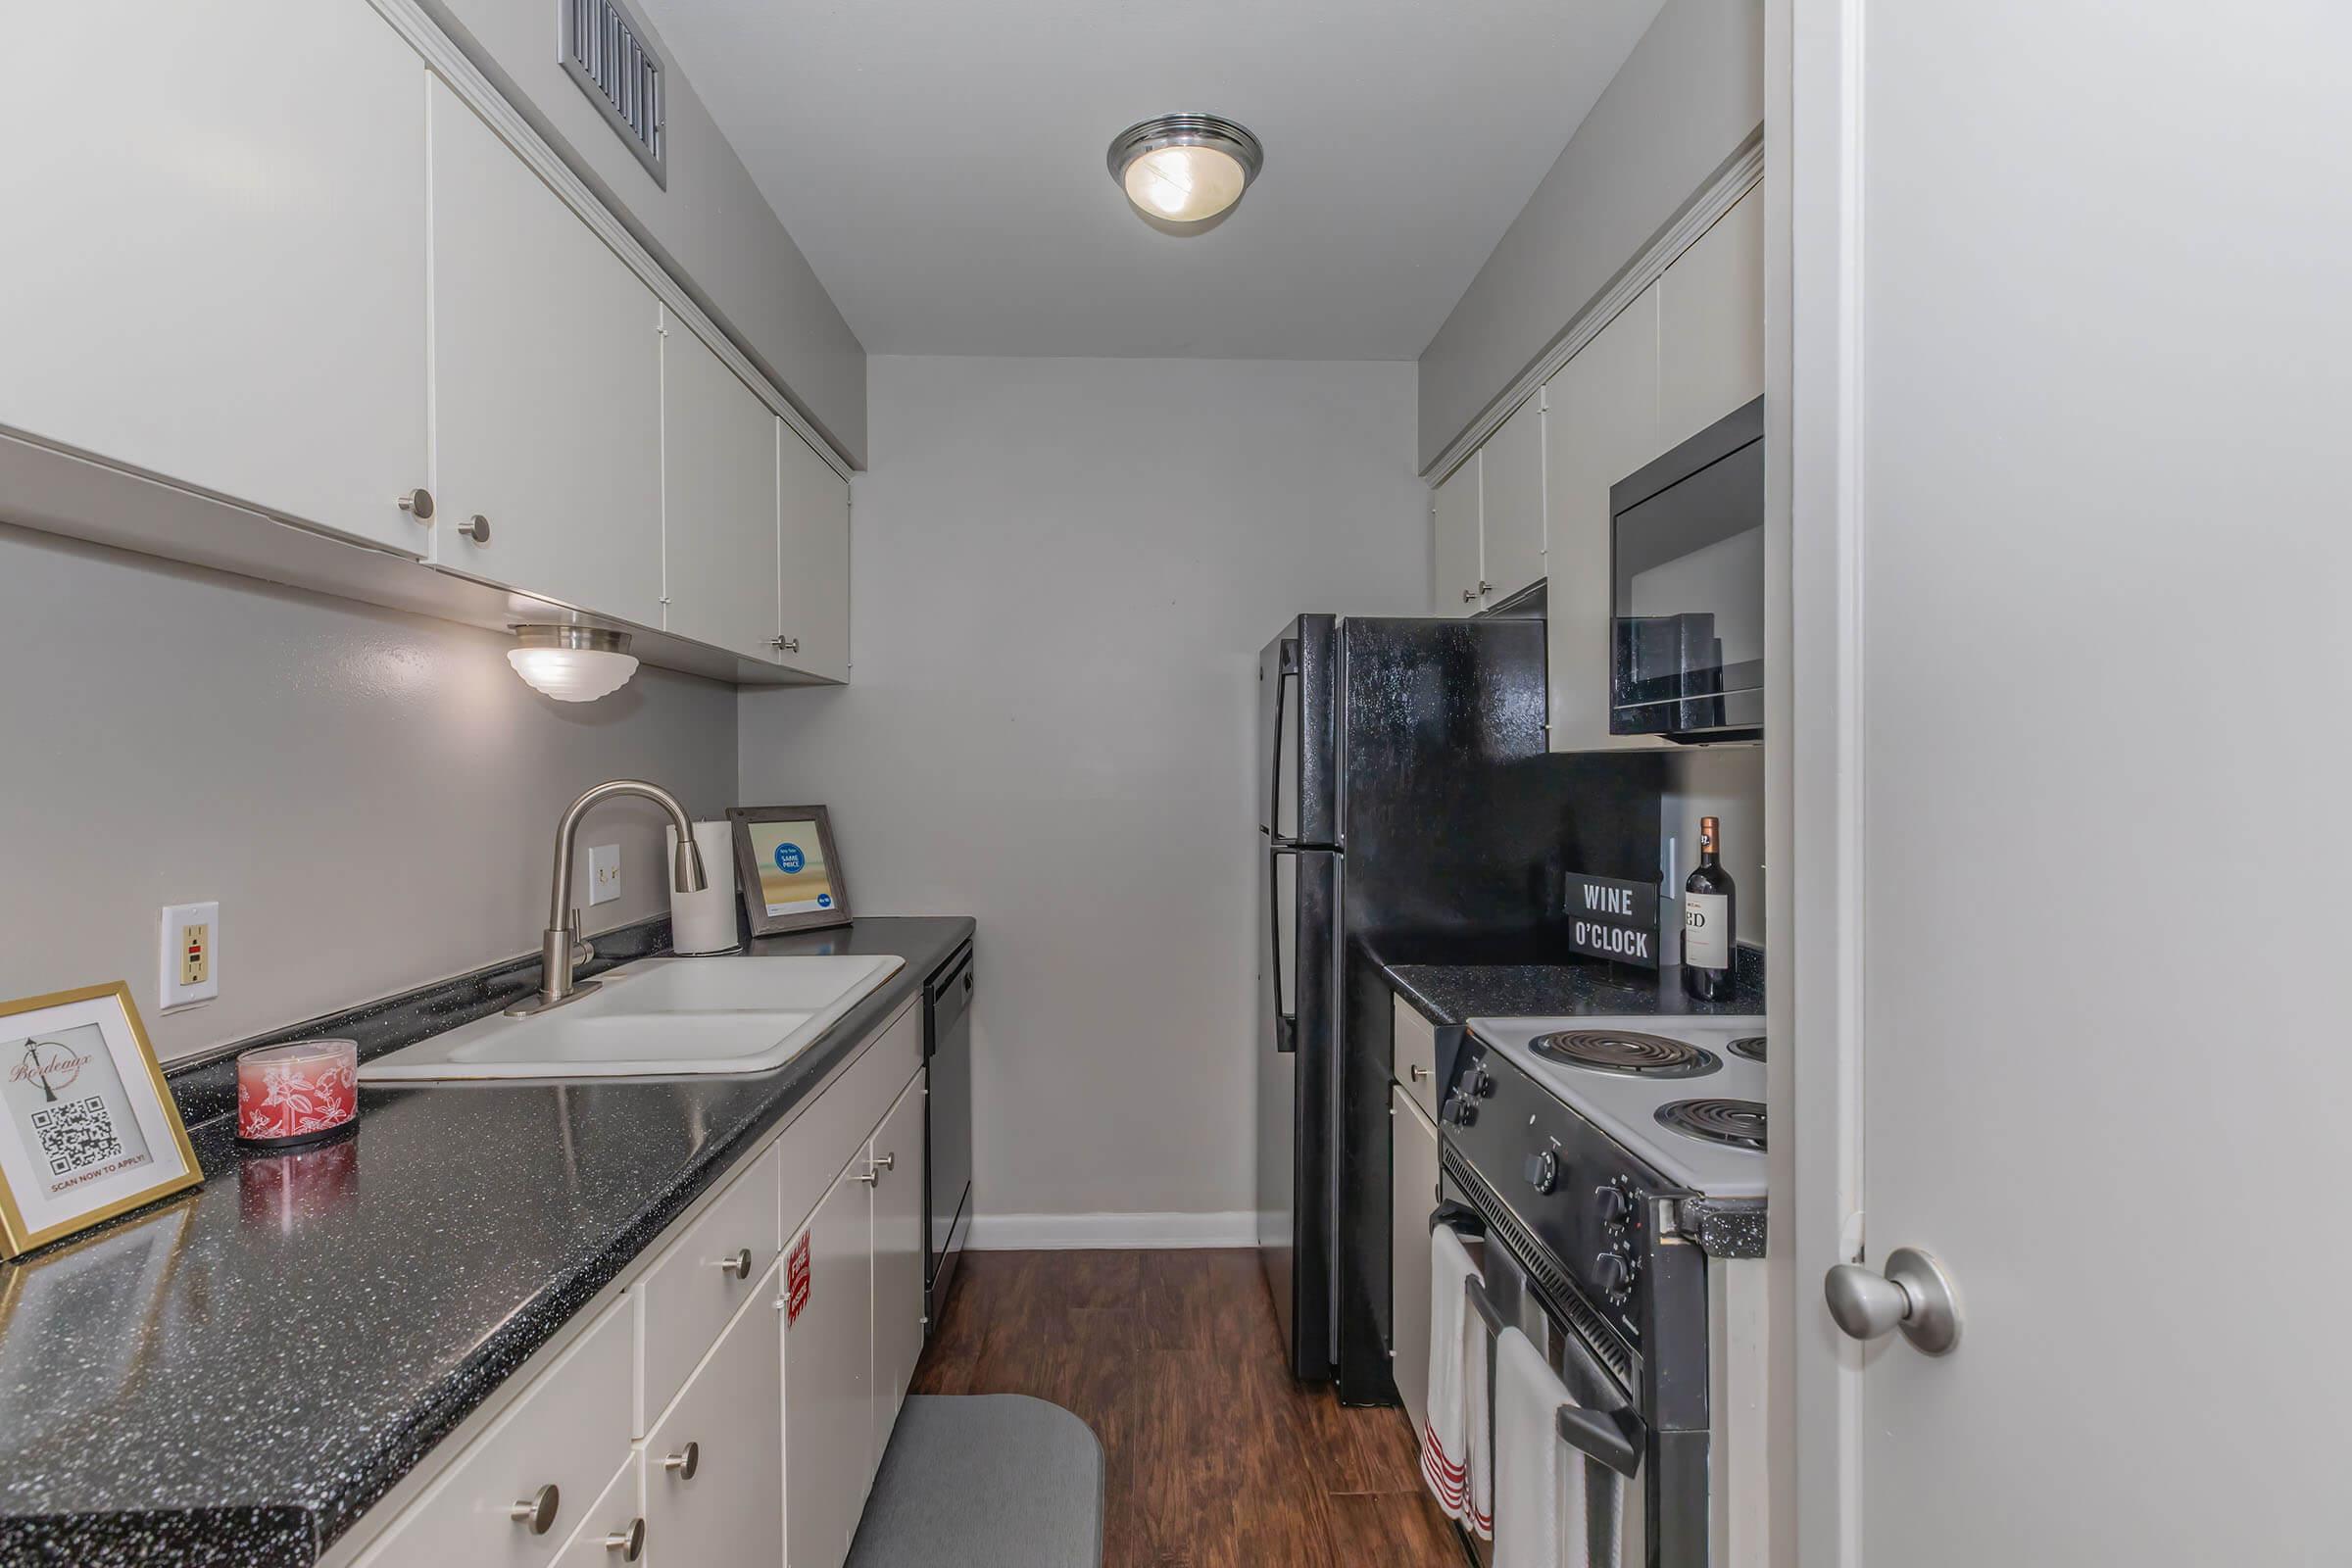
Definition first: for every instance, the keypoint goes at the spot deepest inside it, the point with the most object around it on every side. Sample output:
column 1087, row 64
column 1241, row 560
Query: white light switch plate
column 604, row 873
column 191, row 954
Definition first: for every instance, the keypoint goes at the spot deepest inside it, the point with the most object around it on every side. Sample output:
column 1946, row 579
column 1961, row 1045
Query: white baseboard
column 1018, row 1232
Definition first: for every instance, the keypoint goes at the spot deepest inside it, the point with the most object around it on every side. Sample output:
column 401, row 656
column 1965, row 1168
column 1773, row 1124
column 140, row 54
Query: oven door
column 1621, row 1533
column 1687, row 548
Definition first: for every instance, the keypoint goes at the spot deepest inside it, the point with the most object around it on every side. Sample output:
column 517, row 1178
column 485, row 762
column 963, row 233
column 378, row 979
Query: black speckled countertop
column 233, row 1377
column 1452, row 993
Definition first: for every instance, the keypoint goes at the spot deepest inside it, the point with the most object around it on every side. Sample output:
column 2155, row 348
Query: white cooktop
column 1626, row 1105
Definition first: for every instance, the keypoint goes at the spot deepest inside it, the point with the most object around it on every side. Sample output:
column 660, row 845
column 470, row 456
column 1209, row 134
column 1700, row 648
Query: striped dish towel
column 1454, row 1438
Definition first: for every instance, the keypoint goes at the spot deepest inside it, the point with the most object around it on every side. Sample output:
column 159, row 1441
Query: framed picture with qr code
column 87, row 1128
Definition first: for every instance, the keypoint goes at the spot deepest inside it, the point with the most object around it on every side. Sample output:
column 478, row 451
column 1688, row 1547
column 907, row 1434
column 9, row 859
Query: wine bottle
column 1710, row 920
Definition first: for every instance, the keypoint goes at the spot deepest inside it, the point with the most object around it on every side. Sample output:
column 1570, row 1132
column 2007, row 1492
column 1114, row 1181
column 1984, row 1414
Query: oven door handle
column 1461, row 1218
column 1614, row 1438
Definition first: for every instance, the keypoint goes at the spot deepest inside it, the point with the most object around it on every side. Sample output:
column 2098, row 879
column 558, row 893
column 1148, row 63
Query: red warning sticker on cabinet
column 796, row 1280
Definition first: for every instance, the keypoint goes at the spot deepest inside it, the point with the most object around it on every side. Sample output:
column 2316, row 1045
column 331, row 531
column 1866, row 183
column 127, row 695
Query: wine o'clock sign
column 1614, row 920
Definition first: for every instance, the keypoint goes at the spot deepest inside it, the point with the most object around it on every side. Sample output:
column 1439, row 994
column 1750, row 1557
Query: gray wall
column 1065, row 569
column 711, row 226
column 1690, row 93
column 371, row 797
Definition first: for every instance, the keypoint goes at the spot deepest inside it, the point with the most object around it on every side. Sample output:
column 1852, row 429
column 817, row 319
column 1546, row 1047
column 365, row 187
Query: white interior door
column 2072, row 572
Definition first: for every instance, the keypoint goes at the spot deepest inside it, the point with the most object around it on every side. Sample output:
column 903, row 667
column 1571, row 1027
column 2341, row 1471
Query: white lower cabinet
column 761, row 1429
column 828, row 1377
column 715, row 1465
column 1413, row 1194
column 898, row 1257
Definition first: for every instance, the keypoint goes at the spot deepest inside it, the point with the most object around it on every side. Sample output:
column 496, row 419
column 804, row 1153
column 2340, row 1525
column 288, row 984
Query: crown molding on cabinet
column 1733, row 178
column 448, row 62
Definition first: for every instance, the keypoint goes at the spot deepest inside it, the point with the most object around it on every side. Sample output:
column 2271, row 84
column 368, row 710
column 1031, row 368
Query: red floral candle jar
column 298, row 1092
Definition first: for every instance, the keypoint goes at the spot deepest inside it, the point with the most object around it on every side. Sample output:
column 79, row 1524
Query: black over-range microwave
column 1687, row 551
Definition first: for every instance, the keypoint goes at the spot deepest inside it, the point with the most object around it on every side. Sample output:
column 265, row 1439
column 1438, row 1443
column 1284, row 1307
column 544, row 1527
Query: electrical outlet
column 604, row 873
column 191, row 954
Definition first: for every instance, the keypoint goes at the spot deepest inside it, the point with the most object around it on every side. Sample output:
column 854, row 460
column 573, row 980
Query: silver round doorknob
column 1914, row 1294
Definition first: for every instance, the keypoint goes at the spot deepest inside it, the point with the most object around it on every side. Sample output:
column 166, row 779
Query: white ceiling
column 941, row 161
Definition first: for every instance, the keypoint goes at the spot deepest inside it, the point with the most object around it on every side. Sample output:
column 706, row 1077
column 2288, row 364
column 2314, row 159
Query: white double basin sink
column 656, row 1017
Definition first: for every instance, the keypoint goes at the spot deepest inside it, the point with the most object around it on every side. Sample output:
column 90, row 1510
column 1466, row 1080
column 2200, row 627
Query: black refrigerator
column 1408, row 809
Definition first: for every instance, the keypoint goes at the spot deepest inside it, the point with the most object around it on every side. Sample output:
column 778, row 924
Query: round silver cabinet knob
column 785, row 644
column 1914, row 1294
column 889, row 1161
column 537, row 1512
column 685, row 1462
column 476, row 528
column 1469, row 596
column 418, row 503
column 1417, row 1072
column 737, row 1264
column 629, row 1542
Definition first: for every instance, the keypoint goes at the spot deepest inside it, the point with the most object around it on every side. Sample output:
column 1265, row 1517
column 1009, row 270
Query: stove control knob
column 1482, row 1084
column 1465, row 1110
column 1544, row 1171
column 1613, row 1273
column 1616, row 1205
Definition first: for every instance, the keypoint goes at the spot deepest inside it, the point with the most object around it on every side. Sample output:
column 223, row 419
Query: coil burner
column 1637, row 1055
column 1736, row 1122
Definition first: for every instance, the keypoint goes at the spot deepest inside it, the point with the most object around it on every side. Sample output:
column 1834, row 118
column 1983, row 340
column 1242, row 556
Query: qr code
column 77, row 1134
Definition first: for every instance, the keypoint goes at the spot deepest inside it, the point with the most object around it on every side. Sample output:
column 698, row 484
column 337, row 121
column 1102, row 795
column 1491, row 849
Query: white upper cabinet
column 719, row 501
column 815, row 552
column 1600, row 424
column 1711, row 324
column 1459, row 567
column 216, row 270
column 547, row 385
column 1511, row 504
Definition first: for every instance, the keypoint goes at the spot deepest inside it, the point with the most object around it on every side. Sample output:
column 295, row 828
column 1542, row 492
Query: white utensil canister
column 705, row 922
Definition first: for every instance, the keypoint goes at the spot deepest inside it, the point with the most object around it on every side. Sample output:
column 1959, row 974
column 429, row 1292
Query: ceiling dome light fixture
column 574, row 664
column 1185, row 169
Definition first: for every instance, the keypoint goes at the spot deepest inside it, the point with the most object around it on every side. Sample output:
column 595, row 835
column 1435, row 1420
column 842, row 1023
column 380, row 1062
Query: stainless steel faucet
column 559, row 949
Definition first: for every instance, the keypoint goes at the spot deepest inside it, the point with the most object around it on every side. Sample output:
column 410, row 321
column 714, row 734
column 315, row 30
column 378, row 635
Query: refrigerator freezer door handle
column 1286, row 1024
column 1282, row 692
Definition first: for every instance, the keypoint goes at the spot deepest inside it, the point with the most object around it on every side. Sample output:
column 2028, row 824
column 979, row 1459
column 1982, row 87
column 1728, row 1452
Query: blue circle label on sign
column 824, row 901
column 789, row 857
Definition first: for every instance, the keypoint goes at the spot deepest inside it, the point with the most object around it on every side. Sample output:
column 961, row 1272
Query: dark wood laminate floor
column 1215, row 1457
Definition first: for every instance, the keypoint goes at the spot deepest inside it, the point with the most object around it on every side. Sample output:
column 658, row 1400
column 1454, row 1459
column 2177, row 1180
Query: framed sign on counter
column 790, row 872
column 90, row 1130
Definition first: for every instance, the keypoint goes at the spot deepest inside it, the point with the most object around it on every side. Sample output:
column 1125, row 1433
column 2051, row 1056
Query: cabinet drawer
column 696, row 1284
column 1416, row 1058
column 567, row 1431
column 610, row 1518
column 814, row 1149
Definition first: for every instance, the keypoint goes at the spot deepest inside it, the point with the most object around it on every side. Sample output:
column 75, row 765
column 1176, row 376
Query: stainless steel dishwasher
column 946, row 1126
